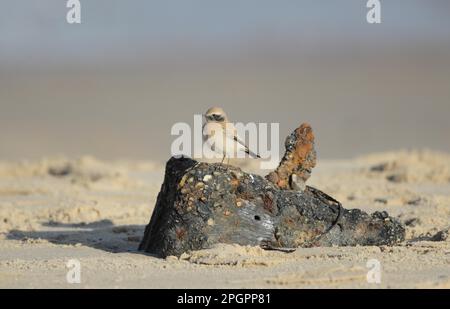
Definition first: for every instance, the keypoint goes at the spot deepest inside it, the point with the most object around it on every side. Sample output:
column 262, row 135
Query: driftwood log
column 203, row 204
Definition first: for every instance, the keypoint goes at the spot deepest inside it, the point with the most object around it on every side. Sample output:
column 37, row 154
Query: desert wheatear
column 221, row 135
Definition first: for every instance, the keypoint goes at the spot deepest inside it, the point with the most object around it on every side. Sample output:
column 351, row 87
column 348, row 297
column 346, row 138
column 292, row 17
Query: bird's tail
column 251, row 153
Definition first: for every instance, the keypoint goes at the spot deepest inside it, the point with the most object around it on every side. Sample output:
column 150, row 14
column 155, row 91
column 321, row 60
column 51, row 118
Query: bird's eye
column 218, row 117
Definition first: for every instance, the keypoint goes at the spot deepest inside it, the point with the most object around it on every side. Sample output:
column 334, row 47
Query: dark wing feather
column 248, row 151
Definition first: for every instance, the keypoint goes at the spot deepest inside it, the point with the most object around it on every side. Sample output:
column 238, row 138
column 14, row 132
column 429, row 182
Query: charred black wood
column 203, row 204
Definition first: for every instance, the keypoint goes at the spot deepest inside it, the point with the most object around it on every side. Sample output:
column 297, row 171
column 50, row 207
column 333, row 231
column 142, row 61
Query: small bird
column 221, row 135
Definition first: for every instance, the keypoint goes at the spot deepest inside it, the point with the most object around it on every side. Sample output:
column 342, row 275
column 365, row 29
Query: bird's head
column 215, row 114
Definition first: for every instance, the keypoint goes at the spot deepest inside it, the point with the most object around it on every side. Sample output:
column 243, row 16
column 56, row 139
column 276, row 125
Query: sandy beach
column 57, row 209
column 90, row 110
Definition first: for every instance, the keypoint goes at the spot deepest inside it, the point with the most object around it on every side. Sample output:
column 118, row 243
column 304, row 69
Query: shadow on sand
column 102, row 235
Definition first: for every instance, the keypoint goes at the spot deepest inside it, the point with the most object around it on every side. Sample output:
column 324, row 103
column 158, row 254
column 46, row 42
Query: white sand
column 96, row 212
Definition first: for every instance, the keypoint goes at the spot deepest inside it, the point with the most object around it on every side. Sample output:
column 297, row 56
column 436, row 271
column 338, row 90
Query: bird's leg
column 228, row 161
column 223, row 159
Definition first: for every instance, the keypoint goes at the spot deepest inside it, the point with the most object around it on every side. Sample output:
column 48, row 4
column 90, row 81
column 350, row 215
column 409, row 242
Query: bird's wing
column 247, row 150
column 231, row 133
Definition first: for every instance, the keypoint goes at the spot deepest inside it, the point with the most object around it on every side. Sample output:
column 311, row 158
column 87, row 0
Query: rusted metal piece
column 202, row 204
column 298, row 161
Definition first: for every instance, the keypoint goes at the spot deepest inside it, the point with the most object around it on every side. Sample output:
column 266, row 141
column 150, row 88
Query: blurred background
column 114, row 85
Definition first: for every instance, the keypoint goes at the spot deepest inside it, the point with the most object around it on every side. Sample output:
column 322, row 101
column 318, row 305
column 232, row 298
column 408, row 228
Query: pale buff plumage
column 221, row 135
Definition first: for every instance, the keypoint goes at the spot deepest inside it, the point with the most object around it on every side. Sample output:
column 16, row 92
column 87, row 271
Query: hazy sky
column 32, row 31
column 115, row 84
